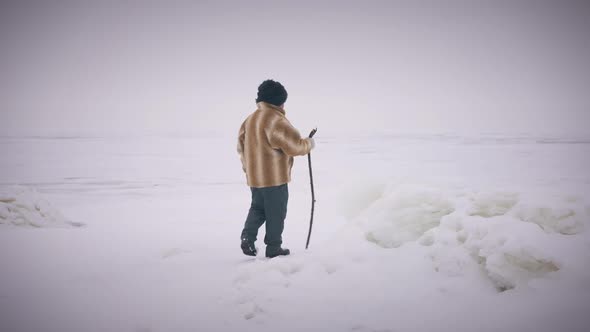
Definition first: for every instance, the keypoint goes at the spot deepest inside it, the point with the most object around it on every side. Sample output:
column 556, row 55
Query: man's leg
column 256, row 216
column 275, row 209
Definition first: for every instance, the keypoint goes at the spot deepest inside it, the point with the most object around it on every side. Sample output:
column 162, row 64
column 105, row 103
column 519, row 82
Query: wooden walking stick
column 312, row 192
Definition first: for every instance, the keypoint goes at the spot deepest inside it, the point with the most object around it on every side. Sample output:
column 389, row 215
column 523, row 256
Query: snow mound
column 509, row 237
column 566, row 215
column 489, row 205
column 397, row 218
column 509, row 252
column 22, row 206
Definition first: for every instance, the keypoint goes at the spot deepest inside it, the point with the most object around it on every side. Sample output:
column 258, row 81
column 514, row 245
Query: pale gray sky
column 187, row 66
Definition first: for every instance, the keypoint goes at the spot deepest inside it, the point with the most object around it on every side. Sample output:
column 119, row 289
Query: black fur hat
column 272, row 92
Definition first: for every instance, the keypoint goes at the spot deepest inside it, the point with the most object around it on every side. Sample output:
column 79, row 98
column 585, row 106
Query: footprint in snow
column 173, row 252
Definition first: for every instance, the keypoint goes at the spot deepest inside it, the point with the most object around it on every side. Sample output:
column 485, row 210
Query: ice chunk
column 563, row 215
column 23, row 206
column 510, row 238
column 401, row 216
column 492, row 204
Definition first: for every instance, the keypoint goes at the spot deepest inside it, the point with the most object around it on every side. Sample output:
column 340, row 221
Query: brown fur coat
column 267, row 143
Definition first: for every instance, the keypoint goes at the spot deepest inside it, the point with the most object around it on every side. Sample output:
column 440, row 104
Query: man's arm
column 241, row 137
column 285, row 137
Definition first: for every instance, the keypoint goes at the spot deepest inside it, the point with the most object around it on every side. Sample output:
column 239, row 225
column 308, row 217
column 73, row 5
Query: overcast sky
column 171, row 66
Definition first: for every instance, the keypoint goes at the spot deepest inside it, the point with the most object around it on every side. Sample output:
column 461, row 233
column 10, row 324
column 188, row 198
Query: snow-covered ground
column 411, row 233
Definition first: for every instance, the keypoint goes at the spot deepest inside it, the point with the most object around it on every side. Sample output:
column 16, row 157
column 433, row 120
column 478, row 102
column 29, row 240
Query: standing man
column 267, row 143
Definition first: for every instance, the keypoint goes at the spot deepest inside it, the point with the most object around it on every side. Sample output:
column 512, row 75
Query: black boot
column 248, row 248
column 272, row 251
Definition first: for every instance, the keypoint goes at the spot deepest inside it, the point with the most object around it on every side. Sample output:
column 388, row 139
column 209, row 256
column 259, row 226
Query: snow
column 411, row 233
column 22, row 206
column 514, row 237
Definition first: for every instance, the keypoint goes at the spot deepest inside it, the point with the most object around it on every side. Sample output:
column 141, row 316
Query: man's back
column 267, row 143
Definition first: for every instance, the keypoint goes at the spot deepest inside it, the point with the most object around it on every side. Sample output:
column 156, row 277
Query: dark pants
column 268, row 204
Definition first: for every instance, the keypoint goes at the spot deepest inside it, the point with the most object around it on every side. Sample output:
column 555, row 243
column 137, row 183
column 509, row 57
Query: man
column 267, row 143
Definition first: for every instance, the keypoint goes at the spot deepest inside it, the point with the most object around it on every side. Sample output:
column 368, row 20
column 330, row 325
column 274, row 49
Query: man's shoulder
column 266, row 119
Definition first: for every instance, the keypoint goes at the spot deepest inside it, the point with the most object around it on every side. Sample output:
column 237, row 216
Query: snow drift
column 23, row 206
column 512, row 237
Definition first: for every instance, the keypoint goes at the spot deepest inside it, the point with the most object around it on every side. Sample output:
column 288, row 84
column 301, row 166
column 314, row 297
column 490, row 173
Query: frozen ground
column 412, row 233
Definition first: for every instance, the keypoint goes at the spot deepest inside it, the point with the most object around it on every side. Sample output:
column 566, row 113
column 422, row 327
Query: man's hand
column 312, row 141
column 310, row 138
